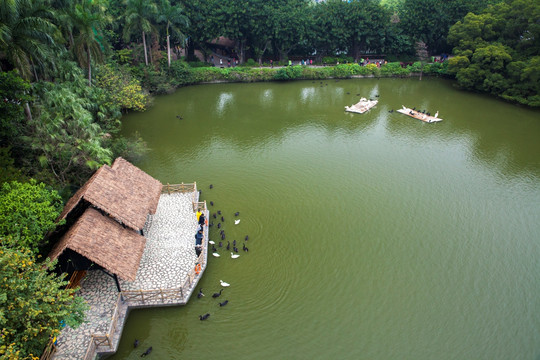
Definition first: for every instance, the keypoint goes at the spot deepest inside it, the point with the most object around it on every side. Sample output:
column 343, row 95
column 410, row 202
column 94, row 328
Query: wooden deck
column 418, row 115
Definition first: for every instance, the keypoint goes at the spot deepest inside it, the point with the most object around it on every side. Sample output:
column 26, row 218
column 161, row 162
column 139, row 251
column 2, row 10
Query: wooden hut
column 105, row 220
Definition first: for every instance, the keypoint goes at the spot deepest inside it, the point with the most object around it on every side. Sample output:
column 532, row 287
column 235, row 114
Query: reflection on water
column 371, row 236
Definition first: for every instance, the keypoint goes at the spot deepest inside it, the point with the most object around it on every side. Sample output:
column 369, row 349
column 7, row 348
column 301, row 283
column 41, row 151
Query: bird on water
column 224, row 303
column 136, row 343
column 236, row 222
column 204, row 317
column 148, row 351
column 224, row 284
column 216, row 295
column 200, row 294
column 234, row 256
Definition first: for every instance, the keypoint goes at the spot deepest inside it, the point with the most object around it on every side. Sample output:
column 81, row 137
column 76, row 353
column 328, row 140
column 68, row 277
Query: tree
column 33, row 304
column 26, row 35
column 14, row 94
column 290, row 25
column 174, row 17
column 65, row 138
column 88, row 18
column 138, row 16
column 27, row 212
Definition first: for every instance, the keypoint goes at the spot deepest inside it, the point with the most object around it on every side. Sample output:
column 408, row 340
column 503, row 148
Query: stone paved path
column 167, row 259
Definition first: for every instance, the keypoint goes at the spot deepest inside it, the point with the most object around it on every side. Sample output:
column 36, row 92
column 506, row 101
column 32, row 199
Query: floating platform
column 362, row 106
column 420, row 116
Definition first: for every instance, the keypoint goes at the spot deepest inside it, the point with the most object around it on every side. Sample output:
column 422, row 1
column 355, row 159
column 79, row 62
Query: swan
column 224, row 303
column 204, row 317
column 234, row 256
column 224, row 284
column 215, row 295
column 216, row 254
column 236, row 222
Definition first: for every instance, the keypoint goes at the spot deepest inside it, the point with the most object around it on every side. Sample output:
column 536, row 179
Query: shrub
column 251, row 63
column 394, row 69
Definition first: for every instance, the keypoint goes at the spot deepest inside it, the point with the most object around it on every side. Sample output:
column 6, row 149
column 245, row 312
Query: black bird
column 179, row 117
column 211, row 203
column 348, row 93
column 135, row 343
column 247, row 238
column 200, row 192
column 234, row 242
column 222, row 219
column 222, row 236
column 220, row 244
column 377, row 95
column 414, row 108
column 222, row 232
column 219, row 212
column 219, row 225
column 214, row 215
column 245, row 248
column 211, row 224
column 391, row 111
column 148, row 351
column 204, row 317
column 235, row 249
column 236, row 213
column 214, row 248
column 216, row 295
column 224, row 303
column 228, row 245
column 211, row 186
column 200, row 294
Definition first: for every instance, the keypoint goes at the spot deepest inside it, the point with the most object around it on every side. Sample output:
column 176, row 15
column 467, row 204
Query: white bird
column 211, row 242
column 224, row 284
column 234, row 256
column 436, row 114
column 236, row 222
column 215, row 254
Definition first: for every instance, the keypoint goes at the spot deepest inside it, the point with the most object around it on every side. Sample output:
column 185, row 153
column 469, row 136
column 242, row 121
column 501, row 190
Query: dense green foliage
column 27, row 212
column 498, row 51
column 33, row 304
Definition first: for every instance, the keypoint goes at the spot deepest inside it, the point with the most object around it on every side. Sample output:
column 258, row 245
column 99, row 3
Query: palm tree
column 26, row 35
column 138, row 15
column 26, row 40
column 174, row 17
column 87, row 19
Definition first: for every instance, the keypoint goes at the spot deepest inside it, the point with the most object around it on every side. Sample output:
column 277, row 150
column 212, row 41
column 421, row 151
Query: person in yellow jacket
column 198, row 215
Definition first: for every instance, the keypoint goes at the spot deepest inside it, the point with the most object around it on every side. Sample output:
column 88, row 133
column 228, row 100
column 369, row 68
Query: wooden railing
column 91, row 350
column 181, row 188
column 145, row 296
column 49, row 351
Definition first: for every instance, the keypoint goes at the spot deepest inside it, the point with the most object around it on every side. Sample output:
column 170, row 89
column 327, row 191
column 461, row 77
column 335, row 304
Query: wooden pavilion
column 105, row 220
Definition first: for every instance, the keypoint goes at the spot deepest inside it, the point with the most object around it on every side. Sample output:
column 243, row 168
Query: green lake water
column 372, row 236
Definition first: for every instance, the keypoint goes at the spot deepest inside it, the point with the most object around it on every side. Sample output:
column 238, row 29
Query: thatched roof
column 123, row 191
column 105, row 242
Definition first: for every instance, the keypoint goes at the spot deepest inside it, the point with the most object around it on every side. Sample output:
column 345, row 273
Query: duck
column 204, row 317
column 237, row 213
column 148, row 351
column 224, row 284
column 228, row 245
column 223, row 236
column 222, row 219
column 211, row 242
column 214, row 215
column 216, row 295
column 247, row 238
column 236, row 222
column 235, row 249
column 215, row 254
column 244, row 247
column 220, row 244
column 136, row 343
column 214, row 249
column 221, row 304
column 234, row 242
column 234, row 256
column 219, row 225
column 219, row 212
column 200, row 294
column 391, row 111
column 211, row 186
column 179, row 117
column 211, row 203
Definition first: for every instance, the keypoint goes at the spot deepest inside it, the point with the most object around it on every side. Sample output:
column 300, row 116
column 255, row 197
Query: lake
column 373, row 236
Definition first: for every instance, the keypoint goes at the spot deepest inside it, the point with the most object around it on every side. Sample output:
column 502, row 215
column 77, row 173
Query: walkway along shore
column 166, row 277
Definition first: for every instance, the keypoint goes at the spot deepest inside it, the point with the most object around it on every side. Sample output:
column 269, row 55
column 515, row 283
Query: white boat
column 362, row 106
column 419, row 115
